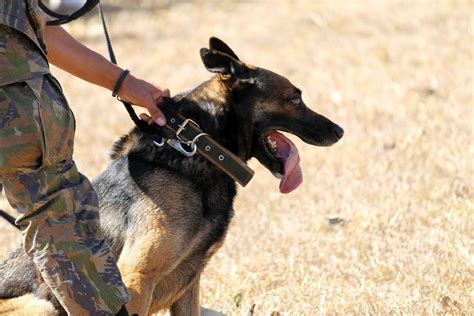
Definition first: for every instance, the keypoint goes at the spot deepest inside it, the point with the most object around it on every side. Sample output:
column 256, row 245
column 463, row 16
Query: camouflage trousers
column 57, row 205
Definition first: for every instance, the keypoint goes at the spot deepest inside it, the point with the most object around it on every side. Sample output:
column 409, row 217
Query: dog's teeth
column 273, row 144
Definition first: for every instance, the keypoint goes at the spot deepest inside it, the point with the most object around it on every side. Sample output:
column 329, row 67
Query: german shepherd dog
column 164, row 215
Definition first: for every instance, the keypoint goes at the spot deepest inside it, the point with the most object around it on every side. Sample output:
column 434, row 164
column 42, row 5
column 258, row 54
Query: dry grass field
column 397, row 76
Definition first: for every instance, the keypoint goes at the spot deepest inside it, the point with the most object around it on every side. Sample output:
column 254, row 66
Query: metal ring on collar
column 196, row 138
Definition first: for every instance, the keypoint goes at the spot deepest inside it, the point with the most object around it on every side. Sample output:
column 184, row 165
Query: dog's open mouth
column 285, row 152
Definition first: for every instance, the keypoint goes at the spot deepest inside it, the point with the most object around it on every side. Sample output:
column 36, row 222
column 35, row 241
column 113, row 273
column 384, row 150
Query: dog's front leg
column 141, row 290
column 138, row 280
column 188, row 303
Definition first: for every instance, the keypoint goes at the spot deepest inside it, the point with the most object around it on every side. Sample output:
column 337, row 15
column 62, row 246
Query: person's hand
column 144, row 94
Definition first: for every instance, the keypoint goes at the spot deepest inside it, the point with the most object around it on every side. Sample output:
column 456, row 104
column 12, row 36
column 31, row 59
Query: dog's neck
column 212, row 107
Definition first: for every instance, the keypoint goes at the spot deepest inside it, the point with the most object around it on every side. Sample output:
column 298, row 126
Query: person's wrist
column 120, row 82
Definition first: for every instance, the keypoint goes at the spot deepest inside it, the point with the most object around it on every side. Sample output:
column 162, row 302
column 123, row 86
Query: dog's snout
column 339, row 131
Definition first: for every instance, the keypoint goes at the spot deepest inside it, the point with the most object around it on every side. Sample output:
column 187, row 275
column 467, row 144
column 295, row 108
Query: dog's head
column 265, row 103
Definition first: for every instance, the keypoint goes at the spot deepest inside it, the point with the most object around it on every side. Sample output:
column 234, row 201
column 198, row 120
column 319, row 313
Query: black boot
column 122, row 312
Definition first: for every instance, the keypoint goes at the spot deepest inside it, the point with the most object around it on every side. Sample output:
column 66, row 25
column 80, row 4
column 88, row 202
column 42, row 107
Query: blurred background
column 383, row 222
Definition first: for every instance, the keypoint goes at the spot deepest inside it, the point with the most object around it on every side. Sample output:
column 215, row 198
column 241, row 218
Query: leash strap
column 142, row 125
column 188, row 132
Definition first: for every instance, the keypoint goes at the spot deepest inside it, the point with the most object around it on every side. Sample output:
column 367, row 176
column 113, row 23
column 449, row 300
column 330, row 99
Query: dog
column 165, row 215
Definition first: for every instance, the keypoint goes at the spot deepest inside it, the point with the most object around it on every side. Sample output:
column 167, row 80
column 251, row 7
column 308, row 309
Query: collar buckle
column 182, row 127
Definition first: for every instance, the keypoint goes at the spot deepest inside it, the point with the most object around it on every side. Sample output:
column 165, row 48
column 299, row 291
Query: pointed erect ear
column 220, row 46
column 226, row 65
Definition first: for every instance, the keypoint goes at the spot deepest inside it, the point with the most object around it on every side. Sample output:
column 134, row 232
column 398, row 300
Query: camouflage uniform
column 57, row 205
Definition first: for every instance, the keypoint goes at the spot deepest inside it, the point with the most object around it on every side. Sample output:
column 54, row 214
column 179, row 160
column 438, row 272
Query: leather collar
column 196, row 141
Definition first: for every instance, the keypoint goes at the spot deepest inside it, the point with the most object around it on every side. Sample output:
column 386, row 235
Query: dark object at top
column 65, row 18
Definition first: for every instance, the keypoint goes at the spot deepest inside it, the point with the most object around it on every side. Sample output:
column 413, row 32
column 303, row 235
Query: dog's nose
column 339, row 132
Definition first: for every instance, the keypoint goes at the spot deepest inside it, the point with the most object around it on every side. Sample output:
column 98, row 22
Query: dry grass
column 398, row 78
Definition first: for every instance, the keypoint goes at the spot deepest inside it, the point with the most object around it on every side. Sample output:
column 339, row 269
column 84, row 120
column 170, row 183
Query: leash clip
column 178, row 144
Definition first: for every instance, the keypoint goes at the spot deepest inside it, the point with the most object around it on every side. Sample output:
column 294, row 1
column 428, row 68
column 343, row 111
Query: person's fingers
column 144, row 94
column 146, row 118
column 155, row 112
column 157, row 115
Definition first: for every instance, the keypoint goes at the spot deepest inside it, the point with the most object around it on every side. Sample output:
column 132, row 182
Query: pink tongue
column 287, row 152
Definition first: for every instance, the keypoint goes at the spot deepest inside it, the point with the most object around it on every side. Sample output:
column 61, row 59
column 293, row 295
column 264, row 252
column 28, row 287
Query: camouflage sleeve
column 20, row 59
column 22, row 49
column 26, row 17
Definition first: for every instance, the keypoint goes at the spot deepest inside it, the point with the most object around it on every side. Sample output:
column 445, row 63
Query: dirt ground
column 397, row 77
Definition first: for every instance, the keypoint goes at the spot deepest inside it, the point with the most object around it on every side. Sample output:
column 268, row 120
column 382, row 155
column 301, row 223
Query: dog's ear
column 220, row 46
column 224, row 64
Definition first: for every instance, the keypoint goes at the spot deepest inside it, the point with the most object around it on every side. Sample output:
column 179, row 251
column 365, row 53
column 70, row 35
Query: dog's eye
column 296, row 101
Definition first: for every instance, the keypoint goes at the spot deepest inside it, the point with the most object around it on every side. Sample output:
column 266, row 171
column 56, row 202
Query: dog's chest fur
column 183, row 197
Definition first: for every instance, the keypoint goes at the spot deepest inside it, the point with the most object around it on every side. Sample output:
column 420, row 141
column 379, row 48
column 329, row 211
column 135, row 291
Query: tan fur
column 152, row 266
column 26, row 305
column 216, row 90
column 151, row 262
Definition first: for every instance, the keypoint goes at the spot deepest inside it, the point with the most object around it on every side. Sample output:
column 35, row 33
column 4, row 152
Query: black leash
column 9, row 218
column 141, row 124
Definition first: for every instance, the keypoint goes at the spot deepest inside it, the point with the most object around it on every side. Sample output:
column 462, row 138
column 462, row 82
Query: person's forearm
column 70, row 55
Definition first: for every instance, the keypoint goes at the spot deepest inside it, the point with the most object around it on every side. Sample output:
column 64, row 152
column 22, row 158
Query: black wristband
column 119, row 82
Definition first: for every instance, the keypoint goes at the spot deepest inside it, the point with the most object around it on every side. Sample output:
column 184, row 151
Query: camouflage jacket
column 22, row 49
